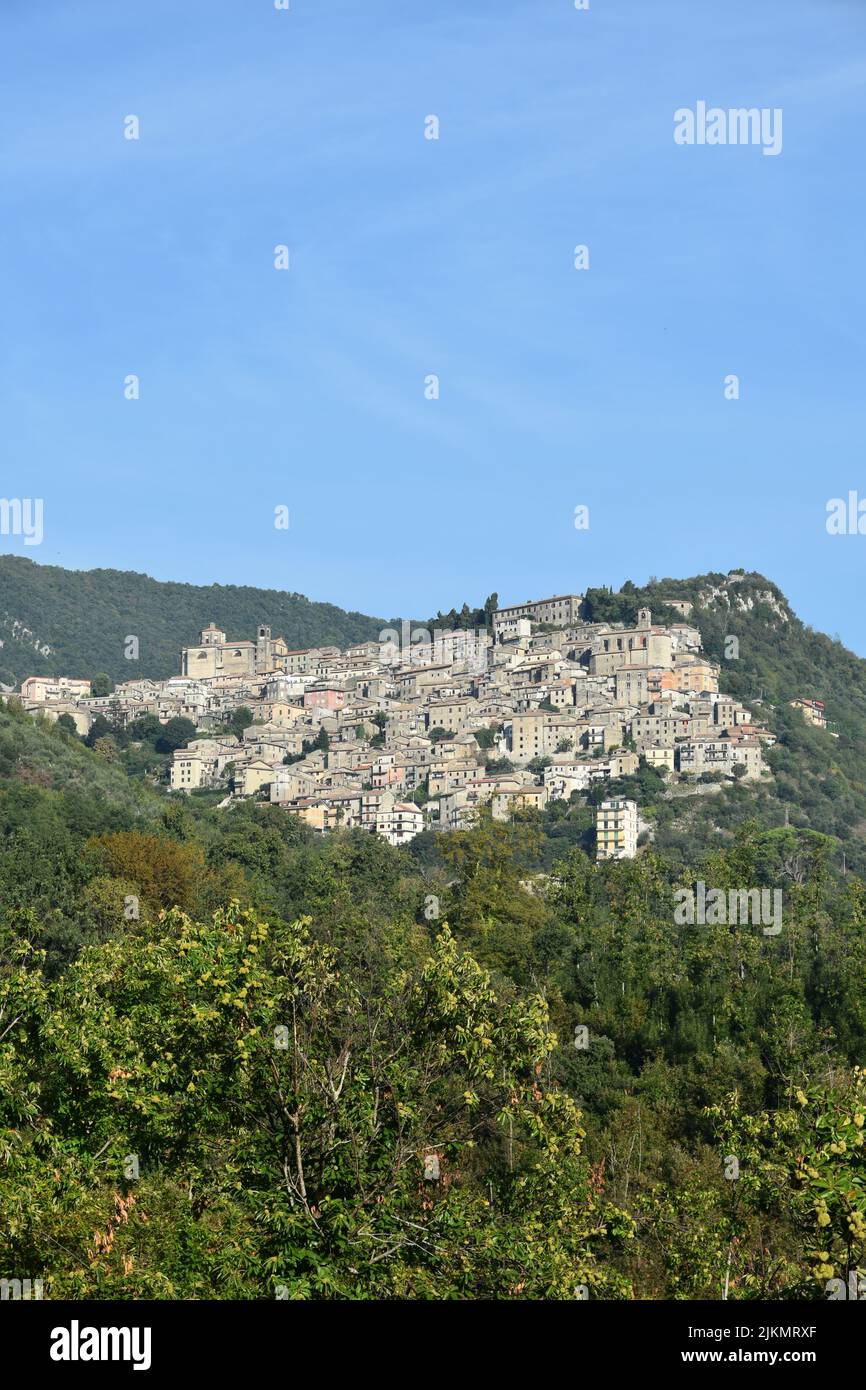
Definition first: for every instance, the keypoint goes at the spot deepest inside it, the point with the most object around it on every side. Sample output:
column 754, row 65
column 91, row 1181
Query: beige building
column 659, row 726
column 215, row 656
column 252, row 776
column 642, row 645
column 692, row 673
column 535, row 732
column 506, row 802
column 288, row 785
column 561, row 693
column 632, row 685
column 560, row 611
column 568, row 774
column 449, row 714
column 447, row 777
column 277, row 712
column 48, row 688
column 511, row 629
column 700, row 755
column 661, row 758
column 616, row 829
column 300, row 661
column 81, row 718
column 313, row 812
column 202, row 763
column 191, row 769
column 813, row 711
column 461, row 808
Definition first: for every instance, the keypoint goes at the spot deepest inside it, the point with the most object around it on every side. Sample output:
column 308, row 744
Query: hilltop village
column 420, row 729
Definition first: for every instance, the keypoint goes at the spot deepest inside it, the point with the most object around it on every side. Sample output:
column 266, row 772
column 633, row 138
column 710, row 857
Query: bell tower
column 263, row 648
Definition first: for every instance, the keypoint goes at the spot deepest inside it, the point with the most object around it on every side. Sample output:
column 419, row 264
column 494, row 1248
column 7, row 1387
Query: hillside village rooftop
column 541, row 707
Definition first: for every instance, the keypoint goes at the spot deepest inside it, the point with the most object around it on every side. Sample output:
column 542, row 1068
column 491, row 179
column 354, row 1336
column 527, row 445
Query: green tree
column 146, row 728
column 804, row 1165
column 240, row 719
column 177, row 733
column 294, row 1127
column 100, row 728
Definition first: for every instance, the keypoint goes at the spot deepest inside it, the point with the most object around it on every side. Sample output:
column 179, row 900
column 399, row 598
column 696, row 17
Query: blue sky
column 410, row 257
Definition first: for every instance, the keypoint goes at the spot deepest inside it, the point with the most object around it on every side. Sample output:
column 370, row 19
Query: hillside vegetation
column 85, row 616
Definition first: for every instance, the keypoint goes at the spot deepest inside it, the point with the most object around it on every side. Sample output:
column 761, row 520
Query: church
column 214, row 656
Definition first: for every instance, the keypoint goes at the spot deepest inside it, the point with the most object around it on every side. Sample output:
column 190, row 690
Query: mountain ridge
column 57, row 621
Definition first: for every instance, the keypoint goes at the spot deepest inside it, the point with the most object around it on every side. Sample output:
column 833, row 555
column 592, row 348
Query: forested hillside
column 83, row 618
column 238, row 1060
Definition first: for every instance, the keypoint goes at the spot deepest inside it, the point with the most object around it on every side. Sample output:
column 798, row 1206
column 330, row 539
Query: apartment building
column 567, row 773
column 659, row 726
column 632, row 685
column 616, row 829
column 535, row 732
column 449, row 776
column 693, row 674
column 700, row 755
column 194, row 767
column 324, row 697
column 449, row 714
column 511, row 629
column 400, row 823
column 663, row 759
column 559, row 611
